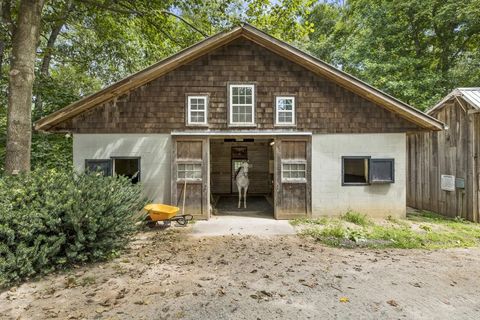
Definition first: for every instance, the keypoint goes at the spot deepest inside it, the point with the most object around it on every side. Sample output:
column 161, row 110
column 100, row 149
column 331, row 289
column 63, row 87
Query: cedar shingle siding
column 159, row 106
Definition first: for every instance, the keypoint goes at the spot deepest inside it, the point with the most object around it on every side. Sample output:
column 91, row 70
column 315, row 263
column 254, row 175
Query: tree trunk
column 21, row 77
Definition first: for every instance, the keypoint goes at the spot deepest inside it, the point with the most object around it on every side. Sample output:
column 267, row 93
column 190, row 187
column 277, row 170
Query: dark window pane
column 355, row 170
column 104, row 166
column 382, row 170
column 128, row 167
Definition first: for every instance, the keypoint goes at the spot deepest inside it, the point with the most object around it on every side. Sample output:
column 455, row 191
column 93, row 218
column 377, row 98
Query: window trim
column 186, row 162
column 294, row 118
column 189, row 118
column 110, row 165
column 346, row 184
column 294, row 180
column 230, row 104
column 128, row 157
column 392, row 160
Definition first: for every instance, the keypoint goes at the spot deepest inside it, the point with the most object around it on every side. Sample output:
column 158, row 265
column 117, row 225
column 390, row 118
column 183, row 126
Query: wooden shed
column 443, row 166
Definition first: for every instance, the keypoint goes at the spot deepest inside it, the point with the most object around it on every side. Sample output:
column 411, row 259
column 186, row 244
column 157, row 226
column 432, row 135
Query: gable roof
column 253, row 34
column 470, row 95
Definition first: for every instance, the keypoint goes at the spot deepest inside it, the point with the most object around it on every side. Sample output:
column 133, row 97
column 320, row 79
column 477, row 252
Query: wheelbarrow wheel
column 182, row 221
column 150, row 222
column 167, row 223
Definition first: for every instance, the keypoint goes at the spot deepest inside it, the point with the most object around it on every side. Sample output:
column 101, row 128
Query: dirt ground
column 172, row 275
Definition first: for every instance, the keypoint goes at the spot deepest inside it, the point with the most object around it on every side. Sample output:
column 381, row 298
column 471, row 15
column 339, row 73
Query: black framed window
column 364, row 170
column 382, row 170
column 103, row 166
column 355, row 170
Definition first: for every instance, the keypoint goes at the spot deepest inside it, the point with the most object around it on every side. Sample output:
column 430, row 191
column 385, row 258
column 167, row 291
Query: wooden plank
column 277, row 178
column 476, row 168
column 292, row 200
column 173, row 170
column 194, row 202
column 197, row 195
column 434, row 173
column 189, row 150
column 206, row 178
column 308, row 193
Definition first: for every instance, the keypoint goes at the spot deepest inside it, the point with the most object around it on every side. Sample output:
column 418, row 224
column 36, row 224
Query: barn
column 318, row 141
column 443, row 166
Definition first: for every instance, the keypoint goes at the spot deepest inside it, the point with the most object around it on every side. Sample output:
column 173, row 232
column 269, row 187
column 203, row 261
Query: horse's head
column 245, row 167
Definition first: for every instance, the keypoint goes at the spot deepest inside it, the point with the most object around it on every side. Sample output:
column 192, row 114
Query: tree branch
column 184, row 21
column 130, row 11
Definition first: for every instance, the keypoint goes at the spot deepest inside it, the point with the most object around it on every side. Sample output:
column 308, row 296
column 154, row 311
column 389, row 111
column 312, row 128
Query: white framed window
column 285, row 110
column 189, row 171
column 197, row 110
column 294, row 171
column 242, row 104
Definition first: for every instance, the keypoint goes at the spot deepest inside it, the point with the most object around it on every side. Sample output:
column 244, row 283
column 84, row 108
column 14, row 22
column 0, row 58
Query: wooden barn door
column 292, row 178
column 190, row 175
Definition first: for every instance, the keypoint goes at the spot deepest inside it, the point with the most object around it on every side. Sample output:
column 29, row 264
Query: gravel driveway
column 173, row 275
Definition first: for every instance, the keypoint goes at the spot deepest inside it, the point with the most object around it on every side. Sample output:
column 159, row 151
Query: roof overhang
column 249, row 133
column 469, row 95
column 279, row 47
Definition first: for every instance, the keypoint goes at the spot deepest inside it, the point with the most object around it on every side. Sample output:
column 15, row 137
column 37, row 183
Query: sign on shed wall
column 447, row 182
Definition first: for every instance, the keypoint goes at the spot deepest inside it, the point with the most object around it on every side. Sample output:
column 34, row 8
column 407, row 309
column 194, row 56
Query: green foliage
column 415, row 50
column 49, row 151
column 317, row 221
column 356, row 218
column 52, row 219
column 423, row 230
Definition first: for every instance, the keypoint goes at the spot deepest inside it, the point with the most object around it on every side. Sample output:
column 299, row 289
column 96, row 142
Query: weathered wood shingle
column 159, row 106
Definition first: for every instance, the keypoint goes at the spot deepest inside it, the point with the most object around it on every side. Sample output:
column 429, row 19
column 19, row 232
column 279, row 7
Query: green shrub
column 50, row 220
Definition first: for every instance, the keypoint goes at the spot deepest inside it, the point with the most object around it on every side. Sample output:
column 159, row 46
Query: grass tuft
column 356, row 218
column 317, row 221
column 423, row 230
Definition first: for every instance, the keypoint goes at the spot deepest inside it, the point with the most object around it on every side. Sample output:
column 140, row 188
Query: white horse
column 241, row 178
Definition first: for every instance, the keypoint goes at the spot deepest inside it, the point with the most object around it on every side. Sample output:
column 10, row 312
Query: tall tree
column 417, row 51
column 21, row 77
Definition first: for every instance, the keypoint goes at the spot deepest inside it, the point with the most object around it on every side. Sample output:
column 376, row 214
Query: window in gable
column 242, row 104
column 285, row 110
column 197, row 110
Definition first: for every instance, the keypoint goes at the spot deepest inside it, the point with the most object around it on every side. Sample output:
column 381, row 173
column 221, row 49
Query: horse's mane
column 237, row 172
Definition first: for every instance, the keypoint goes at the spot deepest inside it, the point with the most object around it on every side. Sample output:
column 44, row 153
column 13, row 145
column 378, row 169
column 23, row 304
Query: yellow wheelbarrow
column 161, row 212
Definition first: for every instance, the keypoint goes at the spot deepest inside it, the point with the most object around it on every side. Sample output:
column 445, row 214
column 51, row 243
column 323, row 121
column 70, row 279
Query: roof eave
column 279, row 47
column 137, row 79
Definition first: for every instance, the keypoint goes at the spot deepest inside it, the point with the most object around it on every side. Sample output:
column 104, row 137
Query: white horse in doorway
column 241, row 178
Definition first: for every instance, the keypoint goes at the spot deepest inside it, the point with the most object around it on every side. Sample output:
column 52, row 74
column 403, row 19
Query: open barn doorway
column 226, row 158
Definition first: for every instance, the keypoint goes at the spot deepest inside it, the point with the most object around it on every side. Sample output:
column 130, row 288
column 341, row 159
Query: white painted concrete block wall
column 153, row 149
column 329, row 197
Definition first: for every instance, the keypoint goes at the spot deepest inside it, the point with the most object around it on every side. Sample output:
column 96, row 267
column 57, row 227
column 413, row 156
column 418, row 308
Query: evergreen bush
column 51, row 220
